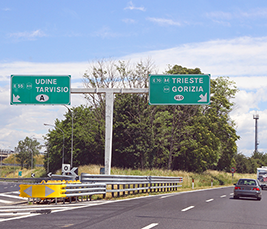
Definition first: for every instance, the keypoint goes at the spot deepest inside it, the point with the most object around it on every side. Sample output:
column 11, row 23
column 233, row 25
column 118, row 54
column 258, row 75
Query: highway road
column 213, row 208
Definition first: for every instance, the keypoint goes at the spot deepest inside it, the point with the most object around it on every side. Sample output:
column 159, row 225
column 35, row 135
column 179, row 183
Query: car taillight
column 257, row 189
column 237, row 188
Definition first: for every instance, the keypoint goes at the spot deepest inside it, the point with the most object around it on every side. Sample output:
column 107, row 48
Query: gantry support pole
column 109, row 114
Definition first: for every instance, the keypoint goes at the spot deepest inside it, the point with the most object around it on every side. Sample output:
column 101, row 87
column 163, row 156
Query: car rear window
column 246, row 182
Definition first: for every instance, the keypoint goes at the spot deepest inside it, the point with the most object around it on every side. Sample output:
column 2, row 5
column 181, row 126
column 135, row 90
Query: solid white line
column 19, row 217
column 209, row 200
column 6, row 202
column 223, row 196
column 150, row 226
column 14, row 214
column 11, row 196
column 186, row 209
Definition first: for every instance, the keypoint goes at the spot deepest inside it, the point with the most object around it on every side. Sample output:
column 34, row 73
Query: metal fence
column 122, row 184
column 89, row 185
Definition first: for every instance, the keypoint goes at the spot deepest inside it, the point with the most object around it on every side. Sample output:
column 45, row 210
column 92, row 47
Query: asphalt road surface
column 213, row 208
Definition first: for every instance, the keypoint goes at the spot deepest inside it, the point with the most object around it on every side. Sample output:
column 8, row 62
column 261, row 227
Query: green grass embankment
column 201, row 180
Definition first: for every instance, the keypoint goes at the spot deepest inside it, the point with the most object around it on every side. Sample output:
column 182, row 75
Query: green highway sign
column 179, row 89
column 40, row 90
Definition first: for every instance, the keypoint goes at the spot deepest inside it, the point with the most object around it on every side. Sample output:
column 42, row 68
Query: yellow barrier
column 45, row 190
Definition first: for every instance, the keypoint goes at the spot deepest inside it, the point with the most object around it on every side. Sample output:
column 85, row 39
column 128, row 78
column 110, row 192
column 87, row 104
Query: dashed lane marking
column 150, row 226
column 188, row 208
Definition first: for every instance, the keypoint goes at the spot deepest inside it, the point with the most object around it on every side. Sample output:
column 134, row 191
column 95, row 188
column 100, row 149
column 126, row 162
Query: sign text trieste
column 40, row 89
column 179, row 89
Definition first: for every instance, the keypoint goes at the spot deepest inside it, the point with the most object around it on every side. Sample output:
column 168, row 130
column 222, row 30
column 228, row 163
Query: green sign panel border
column 63, row 97
column 166, row 102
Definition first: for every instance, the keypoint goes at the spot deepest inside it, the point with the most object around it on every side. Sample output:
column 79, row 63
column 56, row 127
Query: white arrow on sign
column 16, row 99
column 72, row 171
column 203, row 98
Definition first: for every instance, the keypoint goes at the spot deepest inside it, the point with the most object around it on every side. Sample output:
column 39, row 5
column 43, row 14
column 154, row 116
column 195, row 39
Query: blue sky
column 63, row 31
column 222, row 38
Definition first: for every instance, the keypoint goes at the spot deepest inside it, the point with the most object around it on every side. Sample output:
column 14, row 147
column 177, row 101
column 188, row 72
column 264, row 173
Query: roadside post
column 233, row 171
column 193, row 183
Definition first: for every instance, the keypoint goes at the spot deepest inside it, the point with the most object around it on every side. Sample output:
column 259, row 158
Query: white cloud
column 253, row 13
column 6, row 9
column 242, row 56
column 220, row 15
column 128, row 20
column 242, row 59
column 224, row 18
column 164, row 21
column 105, row 32
column 132, row 7
column 28, row 35
column 75, row 69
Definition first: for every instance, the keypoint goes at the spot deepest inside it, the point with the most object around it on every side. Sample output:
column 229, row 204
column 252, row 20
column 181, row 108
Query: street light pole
column 256, row 117
column 71, row 157
column 63, row 140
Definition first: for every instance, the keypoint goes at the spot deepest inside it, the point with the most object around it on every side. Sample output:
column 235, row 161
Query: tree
column 122, row 74
column 192, row 138
column 223, row 90
column 26, row 150
column 87, row 143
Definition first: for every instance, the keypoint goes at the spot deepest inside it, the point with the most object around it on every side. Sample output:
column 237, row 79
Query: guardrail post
column 112, row 188
column 149, row 185
column 123, row 187
column 118, row 187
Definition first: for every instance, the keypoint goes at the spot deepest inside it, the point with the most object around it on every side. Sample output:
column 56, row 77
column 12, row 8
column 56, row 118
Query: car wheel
column 236, row 197
column 258, row 198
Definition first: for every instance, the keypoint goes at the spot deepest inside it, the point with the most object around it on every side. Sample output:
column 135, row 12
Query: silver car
column 247, row 188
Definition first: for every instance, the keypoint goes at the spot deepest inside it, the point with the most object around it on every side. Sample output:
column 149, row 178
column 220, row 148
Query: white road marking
column 223, row 196
column 150, row 226
column 209, row 200
column 188, row 208
column 166, row 196
column 6, row 202
column 11, row 196
column 14, row 214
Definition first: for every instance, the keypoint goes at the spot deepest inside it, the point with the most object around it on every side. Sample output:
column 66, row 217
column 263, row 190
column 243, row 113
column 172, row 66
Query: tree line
column 191, row 138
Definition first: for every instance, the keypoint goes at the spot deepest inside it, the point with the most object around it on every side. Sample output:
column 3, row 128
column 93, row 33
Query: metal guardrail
column 29, row 180
column 123, row 183
column 8, row 164
column 40, row 179
column 84, row 189
column 67, row 188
